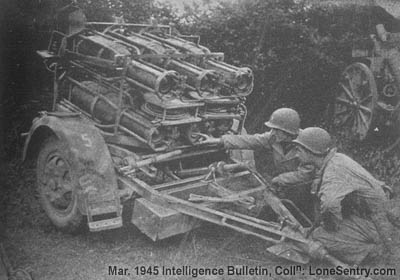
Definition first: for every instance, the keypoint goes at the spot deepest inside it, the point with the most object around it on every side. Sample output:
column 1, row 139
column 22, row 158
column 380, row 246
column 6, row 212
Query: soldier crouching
column 354, row 222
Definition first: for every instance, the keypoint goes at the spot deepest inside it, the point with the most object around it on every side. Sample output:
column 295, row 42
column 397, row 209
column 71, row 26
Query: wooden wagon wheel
column 355, row 101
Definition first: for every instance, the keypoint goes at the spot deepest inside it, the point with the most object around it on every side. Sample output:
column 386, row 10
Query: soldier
column 388, row 47
column 284, row 124
column 354, row 221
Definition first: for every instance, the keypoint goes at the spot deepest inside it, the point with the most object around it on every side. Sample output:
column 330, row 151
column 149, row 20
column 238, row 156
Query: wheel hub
column 57, row 182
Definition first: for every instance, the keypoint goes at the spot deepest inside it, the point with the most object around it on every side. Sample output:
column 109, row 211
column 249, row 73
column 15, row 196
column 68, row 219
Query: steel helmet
column 285, row 119
column 314, row 139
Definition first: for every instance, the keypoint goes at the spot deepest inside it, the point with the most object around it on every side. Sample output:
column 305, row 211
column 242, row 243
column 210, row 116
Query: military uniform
column 353, row 233
column 389, row 50
column 283, row 155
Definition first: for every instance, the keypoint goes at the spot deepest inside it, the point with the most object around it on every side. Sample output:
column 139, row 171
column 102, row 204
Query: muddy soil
column 34, row 244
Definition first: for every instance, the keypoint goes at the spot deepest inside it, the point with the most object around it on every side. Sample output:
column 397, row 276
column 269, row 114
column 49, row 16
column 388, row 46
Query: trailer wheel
column 57, row 185
column 355, row 102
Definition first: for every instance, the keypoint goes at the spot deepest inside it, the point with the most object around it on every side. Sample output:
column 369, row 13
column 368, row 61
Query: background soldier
column 388, row 47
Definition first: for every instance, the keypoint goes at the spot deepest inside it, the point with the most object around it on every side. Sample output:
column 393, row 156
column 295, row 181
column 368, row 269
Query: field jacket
column 342, row 176
column 283, row 155
column 352, row 238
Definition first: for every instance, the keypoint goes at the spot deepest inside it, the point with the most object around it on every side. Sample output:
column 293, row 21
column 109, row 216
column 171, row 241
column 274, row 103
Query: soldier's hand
column 276, row 182
column 205, row 139
column 256, row 209
column 278, row 187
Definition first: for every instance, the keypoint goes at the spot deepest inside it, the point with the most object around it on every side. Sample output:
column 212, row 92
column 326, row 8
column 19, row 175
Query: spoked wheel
column 57, row 181
column 355, row 102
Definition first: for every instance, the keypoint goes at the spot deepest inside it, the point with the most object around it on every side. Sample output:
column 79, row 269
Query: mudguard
column 92, row 160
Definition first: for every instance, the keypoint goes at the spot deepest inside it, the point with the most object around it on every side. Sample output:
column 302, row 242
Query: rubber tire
column 70, row 220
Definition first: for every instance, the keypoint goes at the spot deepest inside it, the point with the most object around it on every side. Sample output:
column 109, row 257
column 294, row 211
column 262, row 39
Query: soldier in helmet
column 354, row 221
column 284, row 125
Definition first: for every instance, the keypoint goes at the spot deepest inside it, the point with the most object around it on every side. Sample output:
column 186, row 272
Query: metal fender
column 92, row 160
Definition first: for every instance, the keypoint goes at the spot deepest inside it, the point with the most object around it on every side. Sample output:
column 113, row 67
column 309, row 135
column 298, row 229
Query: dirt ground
column 34, row 244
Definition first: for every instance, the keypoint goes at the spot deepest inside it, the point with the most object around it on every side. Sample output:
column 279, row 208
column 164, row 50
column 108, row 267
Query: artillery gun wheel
column 355, row 102
column 57, row 181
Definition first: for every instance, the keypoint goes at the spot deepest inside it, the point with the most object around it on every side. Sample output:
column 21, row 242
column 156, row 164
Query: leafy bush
column 296, row 51
column 137, row 11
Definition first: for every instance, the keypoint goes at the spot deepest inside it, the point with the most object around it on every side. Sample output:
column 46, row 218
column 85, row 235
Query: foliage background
column 296, row 50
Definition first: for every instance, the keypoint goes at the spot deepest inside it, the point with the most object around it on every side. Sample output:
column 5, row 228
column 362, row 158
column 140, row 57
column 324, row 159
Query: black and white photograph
column 199, row 139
